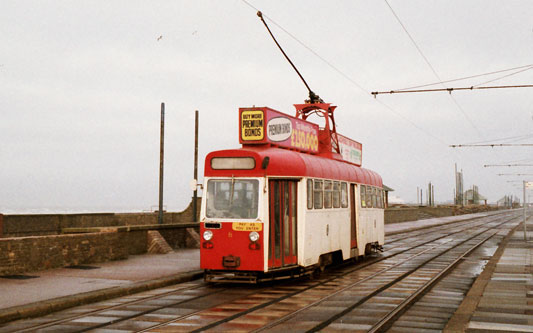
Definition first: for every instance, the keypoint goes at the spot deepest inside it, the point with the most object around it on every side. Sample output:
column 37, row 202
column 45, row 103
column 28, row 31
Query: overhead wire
column 492, row 145
column 367, row 92
column 359, row 86
column 433, row 69
column 461, row 109
column 351, row 80
column 519, row 137
column 309, row 49
column 502, row 77
column 450, row 90
column 466, row 77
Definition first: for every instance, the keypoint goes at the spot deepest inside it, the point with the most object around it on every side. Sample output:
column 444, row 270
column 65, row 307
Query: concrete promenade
column 38, row 293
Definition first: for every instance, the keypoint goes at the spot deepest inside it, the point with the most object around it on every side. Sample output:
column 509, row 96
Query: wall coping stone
column 129, row 228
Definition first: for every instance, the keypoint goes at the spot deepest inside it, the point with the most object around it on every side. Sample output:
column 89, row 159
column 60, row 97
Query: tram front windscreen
column 232, row 198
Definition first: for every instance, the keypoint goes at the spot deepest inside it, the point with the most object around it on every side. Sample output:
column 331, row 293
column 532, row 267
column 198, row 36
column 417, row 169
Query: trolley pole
column 195, row 193
column 161, row 160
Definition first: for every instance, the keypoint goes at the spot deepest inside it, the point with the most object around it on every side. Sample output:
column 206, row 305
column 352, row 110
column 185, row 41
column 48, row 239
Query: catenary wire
column 526, row 136
column 366, row 92
column 467, row 77
column 355, row 83
column 432, row 69
column 502, row 77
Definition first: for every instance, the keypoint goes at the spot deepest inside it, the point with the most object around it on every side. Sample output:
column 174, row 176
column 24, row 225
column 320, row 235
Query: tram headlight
column 254, row 236
column 208, row 234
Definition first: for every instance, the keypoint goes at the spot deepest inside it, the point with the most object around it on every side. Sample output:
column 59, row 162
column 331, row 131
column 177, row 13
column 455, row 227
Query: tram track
column 240, row 314
column 138, row 300
column 255, row 299
column 220, row 325
column 293, row 317
column 410, row 234
column 385, row 322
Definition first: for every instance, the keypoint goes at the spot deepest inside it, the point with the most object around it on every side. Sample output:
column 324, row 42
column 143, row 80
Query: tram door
column 353, row 230
column 282, row 223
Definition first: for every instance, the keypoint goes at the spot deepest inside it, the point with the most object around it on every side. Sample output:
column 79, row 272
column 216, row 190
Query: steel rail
column 468, row 222
column 291, row 294
column 94, row 312
column 445, row 226
column 117, row 306
column 327, row 322
column 390, row 318
column 283, row 319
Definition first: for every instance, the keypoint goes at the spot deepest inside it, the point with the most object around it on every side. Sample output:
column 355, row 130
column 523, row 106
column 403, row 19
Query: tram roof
column 289, row 163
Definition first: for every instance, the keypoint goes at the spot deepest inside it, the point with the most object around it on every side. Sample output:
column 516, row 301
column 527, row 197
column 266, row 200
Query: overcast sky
column 81, row 84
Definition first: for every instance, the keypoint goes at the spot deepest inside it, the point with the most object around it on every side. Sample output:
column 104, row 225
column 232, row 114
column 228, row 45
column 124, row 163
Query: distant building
column 507, row 201
column 472, row 197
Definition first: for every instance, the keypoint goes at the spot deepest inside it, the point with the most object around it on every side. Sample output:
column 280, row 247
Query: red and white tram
column 292, row 200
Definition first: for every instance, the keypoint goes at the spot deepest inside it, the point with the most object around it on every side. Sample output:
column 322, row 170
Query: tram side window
column 344, row 195
column 336, row 195
column 369, row 197
column 309, row 194
column 318, row 194
column 374, row 198
column 363, row 196
column 380, row 198
column 328, row 192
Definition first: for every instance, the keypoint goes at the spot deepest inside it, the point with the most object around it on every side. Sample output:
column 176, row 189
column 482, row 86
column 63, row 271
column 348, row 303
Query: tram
column 292, row 200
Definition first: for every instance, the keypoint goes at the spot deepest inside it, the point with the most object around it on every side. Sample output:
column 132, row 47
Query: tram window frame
column 344, row 195
column 318, row 194
column 369, row 197
column 336, row 195
column 310, row 202
column 362, row 191
column 328, row 194
column 374, row 198
column 380, row 198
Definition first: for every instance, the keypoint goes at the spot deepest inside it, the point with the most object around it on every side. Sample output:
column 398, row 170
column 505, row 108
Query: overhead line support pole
column 524, row 203
column 195, row 193
column 161, row 163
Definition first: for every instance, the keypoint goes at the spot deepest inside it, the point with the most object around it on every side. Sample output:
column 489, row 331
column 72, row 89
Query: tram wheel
column 368, row 249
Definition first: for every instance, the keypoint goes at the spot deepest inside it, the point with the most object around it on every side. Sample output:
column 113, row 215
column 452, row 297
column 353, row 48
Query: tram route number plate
column 243, row 226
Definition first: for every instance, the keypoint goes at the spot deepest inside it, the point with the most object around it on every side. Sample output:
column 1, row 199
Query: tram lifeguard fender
column 289, row 163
